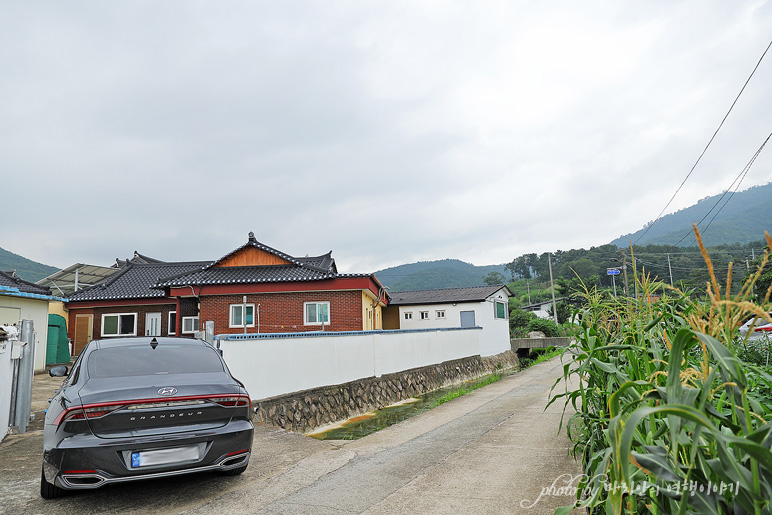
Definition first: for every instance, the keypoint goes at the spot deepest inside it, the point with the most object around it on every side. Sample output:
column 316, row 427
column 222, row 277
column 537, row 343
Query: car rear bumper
column 96, row 479
column 91, row 462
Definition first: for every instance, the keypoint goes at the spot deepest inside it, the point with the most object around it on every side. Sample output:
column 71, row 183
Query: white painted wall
column 270, row 366
column 6, row 380
column 28, row 309
column 495, row 335
column 542, row 311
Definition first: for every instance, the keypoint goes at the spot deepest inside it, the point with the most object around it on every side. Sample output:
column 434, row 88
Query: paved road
column 492, row 451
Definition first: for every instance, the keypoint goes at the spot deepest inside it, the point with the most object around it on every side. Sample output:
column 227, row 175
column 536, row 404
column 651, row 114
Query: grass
column 458, row 392
column 542, row 356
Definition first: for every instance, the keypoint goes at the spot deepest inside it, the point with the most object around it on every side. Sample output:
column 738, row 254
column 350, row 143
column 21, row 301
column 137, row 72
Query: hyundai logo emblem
column 167, row 390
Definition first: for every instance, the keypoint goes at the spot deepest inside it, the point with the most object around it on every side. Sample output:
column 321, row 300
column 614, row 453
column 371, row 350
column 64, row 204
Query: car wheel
column 47, row 490
column 236, row 471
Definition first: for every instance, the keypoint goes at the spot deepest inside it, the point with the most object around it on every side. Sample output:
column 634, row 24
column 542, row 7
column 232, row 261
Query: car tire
column 47, row 490
column 236, row 471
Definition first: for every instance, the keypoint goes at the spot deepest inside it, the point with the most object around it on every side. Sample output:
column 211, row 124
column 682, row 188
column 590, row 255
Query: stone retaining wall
column 538, row 343
column 307, row 410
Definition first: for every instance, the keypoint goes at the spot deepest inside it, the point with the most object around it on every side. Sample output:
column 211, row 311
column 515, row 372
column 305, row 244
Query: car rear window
column 141, row 360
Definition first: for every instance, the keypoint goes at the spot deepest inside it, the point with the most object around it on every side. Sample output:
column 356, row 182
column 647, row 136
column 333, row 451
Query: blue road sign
column 612, row 271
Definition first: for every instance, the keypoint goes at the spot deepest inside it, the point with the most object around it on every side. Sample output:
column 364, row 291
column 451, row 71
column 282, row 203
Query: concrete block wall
column 271, row 365
column 307, row 410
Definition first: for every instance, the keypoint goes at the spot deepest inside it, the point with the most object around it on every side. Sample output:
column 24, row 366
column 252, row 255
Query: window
column 440, row 313
column 501, row 310
column 189, row 324
column 408, row 315
column 119, row 324
column 317, row 313
column 424, row 315
column 172, row 323
column 144, row 360
column 237, row 315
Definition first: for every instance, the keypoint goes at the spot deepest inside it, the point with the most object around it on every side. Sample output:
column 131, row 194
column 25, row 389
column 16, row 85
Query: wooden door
column 84, row 332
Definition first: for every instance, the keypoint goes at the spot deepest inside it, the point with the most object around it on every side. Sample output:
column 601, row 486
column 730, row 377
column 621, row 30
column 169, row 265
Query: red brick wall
column 283, row 312
column 140, row 310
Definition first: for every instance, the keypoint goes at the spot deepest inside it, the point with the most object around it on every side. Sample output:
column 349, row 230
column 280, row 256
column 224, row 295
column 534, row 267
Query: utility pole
column 670, row 269
column 552, row 287
column 528, row 287
column 624, row 270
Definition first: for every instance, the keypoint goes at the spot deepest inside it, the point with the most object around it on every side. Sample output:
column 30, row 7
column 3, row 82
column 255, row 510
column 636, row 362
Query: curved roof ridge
column 252, row 242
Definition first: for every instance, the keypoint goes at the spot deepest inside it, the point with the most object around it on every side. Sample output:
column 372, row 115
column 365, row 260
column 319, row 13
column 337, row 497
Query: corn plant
column 666, row 419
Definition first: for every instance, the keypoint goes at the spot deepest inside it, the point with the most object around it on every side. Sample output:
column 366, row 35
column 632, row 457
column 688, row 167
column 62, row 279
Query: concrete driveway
column 494, row 450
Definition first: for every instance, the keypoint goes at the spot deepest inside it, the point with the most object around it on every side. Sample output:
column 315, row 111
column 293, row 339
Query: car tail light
column 86, row 412
column 233, row 401
column 93, row 411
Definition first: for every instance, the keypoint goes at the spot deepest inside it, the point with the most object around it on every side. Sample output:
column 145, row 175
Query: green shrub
column 548, row 327
column 518, row 322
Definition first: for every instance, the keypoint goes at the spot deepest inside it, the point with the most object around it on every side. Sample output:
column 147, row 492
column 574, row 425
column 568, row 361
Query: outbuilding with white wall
column 486, row 307
column 23, row 300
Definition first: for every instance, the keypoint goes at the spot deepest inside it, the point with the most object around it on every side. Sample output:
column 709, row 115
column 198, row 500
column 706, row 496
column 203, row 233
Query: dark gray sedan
column 144, row 408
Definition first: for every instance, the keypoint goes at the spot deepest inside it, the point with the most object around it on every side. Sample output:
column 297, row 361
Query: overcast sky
column 388, row 132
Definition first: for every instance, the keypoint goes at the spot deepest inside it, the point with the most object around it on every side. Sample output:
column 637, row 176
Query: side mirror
column 58, row 371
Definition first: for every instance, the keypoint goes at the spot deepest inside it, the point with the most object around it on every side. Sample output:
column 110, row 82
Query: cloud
column 387, row 132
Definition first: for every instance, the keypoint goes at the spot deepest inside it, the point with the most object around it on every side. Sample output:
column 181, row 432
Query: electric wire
column 706, row 147
column 739, row 179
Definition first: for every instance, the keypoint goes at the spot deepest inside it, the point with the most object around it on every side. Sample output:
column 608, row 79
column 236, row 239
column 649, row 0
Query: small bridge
column 523, row 345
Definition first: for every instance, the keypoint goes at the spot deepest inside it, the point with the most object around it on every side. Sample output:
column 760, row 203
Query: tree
column 520, row 266
column 494, row 278
column 584, row 268
column 564, row 311
column 548, row 327
column 518, row 321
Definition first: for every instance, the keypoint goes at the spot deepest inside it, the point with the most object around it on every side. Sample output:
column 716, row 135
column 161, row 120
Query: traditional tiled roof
column 11, row 280
column 446, row 295
column 252, row 242
column 137, row 259
column 324, row 262
column 246, row 275
column 134, row 281
column 137, row 278
column 251, row 275
column 299, row 269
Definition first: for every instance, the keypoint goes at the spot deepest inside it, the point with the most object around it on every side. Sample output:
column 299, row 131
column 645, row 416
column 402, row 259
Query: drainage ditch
column 363, row 425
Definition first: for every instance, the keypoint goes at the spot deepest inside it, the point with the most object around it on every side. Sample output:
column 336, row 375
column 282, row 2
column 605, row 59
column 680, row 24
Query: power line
column 739, row 179
column 706, row 146
column 738, row 184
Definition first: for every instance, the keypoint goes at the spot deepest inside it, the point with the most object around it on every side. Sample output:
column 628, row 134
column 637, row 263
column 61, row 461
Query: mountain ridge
column 737, row 218
column 25, row 268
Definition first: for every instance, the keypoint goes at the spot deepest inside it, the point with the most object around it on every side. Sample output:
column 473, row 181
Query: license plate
column 164, row 456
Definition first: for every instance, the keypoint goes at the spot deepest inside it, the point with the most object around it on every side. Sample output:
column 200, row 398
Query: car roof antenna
column 154, row 343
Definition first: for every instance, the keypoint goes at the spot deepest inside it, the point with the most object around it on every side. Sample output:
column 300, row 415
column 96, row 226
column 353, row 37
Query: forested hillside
column 723, row 219
column 25, row 268
column 431, row 275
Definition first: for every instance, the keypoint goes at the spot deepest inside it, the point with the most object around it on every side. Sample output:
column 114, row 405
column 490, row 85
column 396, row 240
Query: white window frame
column 424, row 315
column 171, row 329
column 192, row 319
column 440, row 314
column 242, row 305
column 119, row 333
column 305, row 313
column 408, row 315
column 496, row 310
